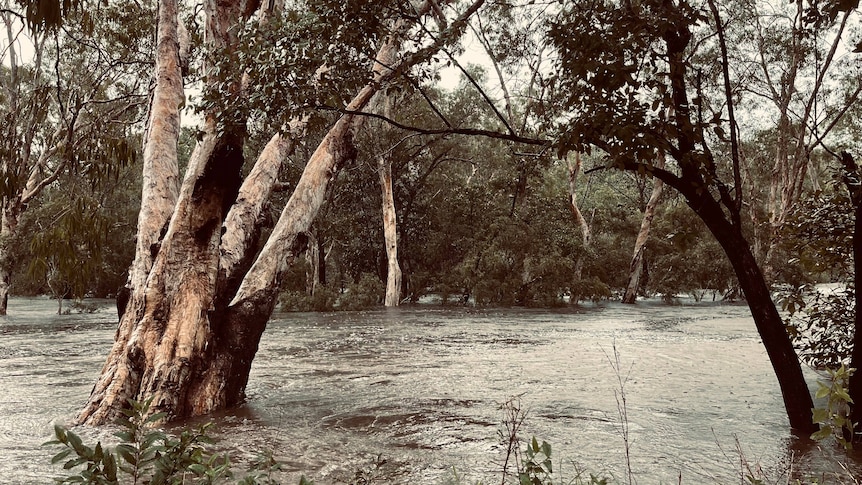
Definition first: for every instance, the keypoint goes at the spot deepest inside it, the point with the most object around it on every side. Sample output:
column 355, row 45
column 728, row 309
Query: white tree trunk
column 586, row 233
column 186, row 339
column 390, row 235
column 160, row 186
column 636, row 267
column 8, row 226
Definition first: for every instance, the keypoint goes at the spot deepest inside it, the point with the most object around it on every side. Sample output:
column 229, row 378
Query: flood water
column 421, row 388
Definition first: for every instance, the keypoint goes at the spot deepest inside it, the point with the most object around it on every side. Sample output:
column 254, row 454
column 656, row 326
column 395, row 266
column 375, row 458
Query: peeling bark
column 243, row 223
column 637, row 264
column 185, row 338
column 162, row 344
column 160, row 186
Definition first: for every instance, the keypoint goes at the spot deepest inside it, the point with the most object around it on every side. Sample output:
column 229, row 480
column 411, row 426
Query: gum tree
column 203, row 286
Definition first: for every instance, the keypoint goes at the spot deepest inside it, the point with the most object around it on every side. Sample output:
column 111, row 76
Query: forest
column 210, row 163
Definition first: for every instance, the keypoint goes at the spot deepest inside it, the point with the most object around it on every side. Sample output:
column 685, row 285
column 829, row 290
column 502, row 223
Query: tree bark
column 8, row 226
column 770, row 326
column 727, row 229
column 853, row 181
column 637, row 264
column 160, row 349
column 187, row 339
column 390, row 235
column 586, row 234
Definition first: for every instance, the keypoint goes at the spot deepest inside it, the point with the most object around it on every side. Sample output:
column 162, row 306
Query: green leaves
column 149, row 455
column 100, row 466
column 537, row 467
column 834, row 417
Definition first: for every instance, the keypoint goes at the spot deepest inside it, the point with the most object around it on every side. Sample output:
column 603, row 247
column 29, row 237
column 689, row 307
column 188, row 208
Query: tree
column 198, row 304
column 637, row 265
column 624, row 75
column 798, row 74
column 66, row 113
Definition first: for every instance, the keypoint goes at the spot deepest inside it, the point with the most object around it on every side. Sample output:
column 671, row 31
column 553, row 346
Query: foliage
column 323, row 300
column 819, row 236
column 150, row 456
column 820, row 323
column 537, row 466
column 834, row 417
column 365, row 293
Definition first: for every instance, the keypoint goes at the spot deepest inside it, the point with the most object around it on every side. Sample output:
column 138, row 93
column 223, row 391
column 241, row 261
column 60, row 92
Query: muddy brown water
column 419, row 390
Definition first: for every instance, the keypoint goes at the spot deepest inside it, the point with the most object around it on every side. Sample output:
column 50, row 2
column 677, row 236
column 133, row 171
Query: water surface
column 421, row 389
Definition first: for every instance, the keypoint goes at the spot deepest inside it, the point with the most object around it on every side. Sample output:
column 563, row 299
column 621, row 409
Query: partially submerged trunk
column 853, row 181
column 637, row 264
column 770, row 326
column 193, row 323
column 8, row 225
column 390, row 235
column 574, row 169
column 164, row 337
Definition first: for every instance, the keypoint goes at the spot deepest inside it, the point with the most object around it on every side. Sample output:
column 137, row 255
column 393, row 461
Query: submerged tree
column 199, row 297
column 627, row 78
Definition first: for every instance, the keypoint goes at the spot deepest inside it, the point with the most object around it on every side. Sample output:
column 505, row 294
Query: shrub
column 148, row 455
column 366, row 293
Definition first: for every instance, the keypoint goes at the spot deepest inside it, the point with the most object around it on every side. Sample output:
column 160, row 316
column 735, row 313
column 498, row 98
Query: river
column 420, row 389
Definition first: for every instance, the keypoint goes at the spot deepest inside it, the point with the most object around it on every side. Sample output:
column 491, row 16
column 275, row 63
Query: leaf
column 154, row 417
column 820, row 415
column 127, row 453
column 61, row 456
column 825, row 432
column 110, row 467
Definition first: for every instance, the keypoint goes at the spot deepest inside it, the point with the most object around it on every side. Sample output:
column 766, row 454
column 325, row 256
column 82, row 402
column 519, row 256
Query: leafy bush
column 820, row 324
column 366, row 293
column 591, row 289
column 148, row 455
column 323, row 300
column 834, row 418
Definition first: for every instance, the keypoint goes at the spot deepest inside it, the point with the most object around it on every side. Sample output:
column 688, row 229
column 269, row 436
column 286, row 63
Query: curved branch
column 444, row 131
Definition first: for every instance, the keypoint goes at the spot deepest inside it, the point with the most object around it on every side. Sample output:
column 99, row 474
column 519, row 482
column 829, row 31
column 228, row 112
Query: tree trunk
column 390, row 235
column 770, row 326
column 574, row 170
column 8, row 225
column 161, row 346
column 853, row 182
column 638, row 261
column 188, row 336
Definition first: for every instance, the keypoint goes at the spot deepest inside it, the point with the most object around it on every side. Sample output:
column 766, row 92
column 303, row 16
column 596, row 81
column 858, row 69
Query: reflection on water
column 417, row 392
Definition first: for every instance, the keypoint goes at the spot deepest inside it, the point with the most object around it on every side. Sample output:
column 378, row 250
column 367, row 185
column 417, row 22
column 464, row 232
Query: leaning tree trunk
column 637, row 264
column 770, row 326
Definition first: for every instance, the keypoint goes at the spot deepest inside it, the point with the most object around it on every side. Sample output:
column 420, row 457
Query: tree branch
column 443, row 131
